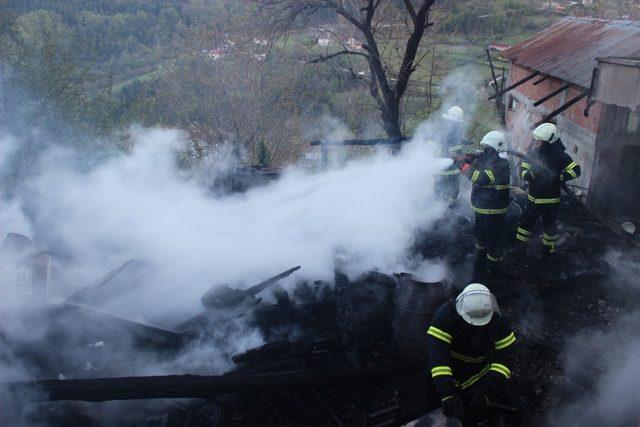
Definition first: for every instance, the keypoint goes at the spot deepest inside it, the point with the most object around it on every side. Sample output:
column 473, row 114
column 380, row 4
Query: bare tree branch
column 408, row 67
column 333, row 55
column 344, row 13
column 411, row 10
column 385, row 91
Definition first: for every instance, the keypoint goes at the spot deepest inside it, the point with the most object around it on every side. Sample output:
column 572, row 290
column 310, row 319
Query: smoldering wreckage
column 356, row 349
column 357, row 356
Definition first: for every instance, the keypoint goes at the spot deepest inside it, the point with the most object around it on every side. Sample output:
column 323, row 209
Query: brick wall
column 578, row 132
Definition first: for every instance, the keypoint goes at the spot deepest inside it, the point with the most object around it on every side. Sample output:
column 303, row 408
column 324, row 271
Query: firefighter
column 470, row 352
column 490, row 174
column 545, row 169
column 448, row 182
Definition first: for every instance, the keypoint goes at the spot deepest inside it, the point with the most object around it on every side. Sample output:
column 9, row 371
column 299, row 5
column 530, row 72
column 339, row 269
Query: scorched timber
column 196, row 386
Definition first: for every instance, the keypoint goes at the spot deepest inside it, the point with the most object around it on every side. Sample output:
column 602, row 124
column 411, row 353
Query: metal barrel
column 415, row 303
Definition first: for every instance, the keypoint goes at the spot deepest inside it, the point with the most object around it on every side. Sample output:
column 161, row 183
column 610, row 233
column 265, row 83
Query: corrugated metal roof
column 568, row 49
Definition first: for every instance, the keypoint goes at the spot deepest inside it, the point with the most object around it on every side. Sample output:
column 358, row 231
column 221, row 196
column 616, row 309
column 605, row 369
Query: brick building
column 554, row 79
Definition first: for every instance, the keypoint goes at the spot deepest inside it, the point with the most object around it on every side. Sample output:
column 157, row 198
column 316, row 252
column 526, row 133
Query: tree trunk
column 391, row 121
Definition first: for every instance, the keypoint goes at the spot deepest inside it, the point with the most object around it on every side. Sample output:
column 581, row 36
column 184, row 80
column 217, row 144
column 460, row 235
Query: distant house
column 324, row 42
column 553, row 75
column 499, row 47
column 352, row 43
column 215, row 53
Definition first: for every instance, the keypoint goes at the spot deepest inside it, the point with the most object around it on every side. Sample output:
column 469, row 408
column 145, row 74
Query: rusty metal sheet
column 568, row 49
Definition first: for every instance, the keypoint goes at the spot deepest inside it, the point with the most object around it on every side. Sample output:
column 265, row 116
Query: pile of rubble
column 348, row 362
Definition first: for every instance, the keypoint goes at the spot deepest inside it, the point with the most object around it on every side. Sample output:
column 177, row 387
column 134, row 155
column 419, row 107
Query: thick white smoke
column 607, row 360
column 140, row 205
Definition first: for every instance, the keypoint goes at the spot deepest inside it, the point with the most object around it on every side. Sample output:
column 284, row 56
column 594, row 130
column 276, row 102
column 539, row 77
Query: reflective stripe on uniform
column 440, row 334
column 456, row 148
column 439, row 371
column 523, row 234
column 489, row 173
column 505, row 342
column 488, row 211
column 472, row 380
column 497, row 186
column 524, row 231
column 467, row 359
column 550, row 241
column 539, row 201
column 499, row 367
column 474, row 176
column 570, row 171
column 449, row 172
column 494, row 259
column 525, row 167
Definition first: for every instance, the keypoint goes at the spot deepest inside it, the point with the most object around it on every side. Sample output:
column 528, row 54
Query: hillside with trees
column 226, row 72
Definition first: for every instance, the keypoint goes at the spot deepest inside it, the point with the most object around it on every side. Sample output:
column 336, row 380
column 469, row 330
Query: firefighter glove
column 495, row 383
column 452, row 406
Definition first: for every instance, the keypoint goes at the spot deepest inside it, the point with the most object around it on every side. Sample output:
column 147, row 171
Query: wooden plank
column 197, row 386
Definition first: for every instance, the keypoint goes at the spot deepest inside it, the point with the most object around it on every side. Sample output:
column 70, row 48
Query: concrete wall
column 578, row 132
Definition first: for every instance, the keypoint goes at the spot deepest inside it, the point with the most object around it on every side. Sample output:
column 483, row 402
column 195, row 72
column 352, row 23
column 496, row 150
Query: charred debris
column 349, row 352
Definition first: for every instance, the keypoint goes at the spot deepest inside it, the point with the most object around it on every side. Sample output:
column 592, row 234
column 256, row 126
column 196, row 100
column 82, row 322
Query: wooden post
column 40, row 270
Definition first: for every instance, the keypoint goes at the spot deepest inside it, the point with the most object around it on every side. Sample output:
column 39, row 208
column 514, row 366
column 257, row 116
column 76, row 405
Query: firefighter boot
column 494, row 269
column 480, row 264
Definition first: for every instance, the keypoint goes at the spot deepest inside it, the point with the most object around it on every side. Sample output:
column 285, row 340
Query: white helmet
column 434, row 147
column 476, row 304
column 495, row 140
column 546, row 132
column 455, row 114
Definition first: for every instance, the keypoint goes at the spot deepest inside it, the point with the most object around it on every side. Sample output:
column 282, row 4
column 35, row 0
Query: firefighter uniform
column 463, row 357
column 448, row 181
column 490, row 176
column 545, row 169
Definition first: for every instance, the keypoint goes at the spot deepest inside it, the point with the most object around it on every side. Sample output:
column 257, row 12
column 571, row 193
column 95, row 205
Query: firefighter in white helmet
column 490, row 175
column 448, row 183
column 546, row 167
column 470, row 354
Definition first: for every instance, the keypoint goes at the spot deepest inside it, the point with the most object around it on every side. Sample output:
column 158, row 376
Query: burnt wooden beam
column 197, row 386
column 561, row 109
column 499, row 104
column 515, row 85
column 540, row 80
column 552, row 94
column 256, row 289
column 83, row 295
column 362, row 142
